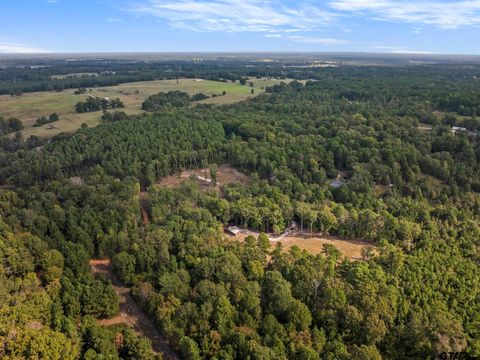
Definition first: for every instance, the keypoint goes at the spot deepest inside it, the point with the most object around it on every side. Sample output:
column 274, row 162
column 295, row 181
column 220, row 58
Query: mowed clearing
column 352, row 249
column 30, row 106
column 226, row 174
column 313, row 243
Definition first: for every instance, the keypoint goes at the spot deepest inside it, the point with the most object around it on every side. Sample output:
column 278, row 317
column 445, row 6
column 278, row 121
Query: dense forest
column 414, row 195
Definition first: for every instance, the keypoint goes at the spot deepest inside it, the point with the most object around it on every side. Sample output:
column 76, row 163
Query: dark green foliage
column 44, row 120
column 80, row 91
column 10, row 125
column 199, row 97
column 165, row 100
column 97, row 103
column 115, row 116
column 341, row 155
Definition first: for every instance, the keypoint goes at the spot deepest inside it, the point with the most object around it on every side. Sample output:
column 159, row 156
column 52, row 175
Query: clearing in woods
column 30, row 106
column 130, row 314
column 226, row 174
column 313, row 242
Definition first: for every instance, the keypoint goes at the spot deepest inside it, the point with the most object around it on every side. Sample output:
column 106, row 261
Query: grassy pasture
column 30, row 106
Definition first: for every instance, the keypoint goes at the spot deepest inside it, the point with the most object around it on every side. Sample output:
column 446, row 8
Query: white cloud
column 406, row 51
column 112, row 20
column 442, row 14
column 6, row 48
column 236, row 15
column 317, row 40
column 52, row 1
column 397, row 49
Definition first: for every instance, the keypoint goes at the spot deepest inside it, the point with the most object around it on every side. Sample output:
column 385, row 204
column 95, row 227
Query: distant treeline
column 451, row 88
column 18, row 80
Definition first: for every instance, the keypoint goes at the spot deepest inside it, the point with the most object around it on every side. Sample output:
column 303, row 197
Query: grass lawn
column 30, row 106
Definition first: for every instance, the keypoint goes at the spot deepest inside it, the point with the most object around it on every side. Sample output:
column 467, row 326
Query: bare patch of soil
column 226, row 174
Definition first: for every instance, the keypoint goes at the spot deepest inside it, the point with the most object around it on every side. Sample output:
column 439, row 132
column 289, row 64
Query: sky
column 386, row 26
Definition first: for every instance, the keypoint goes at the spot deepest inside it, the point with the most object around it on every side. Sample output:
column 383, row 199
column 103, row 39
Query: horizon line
column 249, row 52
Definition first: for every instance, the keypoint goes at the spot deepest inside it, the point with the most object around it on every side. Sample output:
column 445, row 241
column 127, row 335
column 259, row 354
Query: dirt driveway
column 130, row 314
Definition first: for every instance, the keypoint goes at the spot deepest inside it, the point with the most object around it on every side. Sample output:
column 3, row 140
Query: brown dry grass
column 352, row 249
column 313, row 243
column 226, row 174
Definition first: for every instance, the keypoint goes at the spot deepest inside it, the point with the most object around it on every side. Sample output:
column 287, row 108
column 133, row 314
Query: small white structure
column 336, row 183
column 457, row 129
column 234, row 230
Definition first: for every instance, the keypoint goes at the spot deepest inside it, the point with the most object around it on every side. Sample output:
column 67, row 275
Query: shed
column 336, row 183
column 234, row 230
column 456, row 129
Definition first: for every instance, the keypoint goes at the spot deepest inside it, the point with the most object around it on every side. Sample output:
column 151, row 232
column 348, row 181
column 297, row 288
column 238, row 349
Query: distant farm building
column 234, row 230
column 461, row 130
column 337, row 183
column 457, row 129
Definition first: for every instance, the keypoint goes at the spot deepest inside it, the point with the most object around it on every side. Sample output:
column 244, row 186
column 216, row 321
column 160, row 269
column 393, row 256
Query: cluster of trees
column 10, row 125
column 341, row 155
column 44, row 120
column 97, row 103
column 115, row 116
column 80, row 91
column 171, row 99
column 49, row 301
column 164, row 100
column 199, row 97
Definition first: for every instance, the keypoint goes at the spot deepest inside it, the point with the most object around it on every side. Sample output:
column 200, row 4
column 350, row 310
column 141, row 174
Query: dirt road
column 130, row 314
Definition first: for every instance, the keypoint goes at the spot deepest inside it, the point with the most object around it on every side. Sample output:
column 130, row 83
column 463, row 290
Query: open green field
column 30, row 106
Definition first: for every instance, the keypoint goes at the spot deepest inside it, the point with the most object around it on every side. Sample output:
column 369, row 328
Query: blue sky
column 392, row 26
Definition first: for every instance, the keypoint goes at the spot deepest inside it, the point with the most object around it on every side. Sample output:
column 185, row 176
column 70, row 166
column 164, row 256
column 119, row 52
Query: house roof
column 234, row 230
